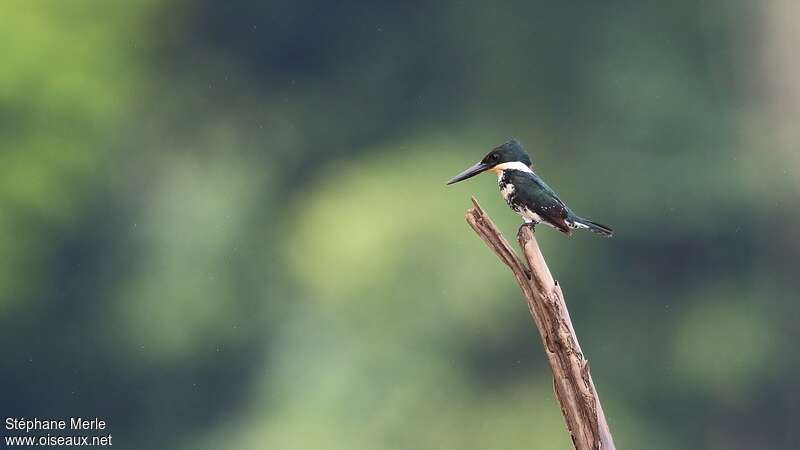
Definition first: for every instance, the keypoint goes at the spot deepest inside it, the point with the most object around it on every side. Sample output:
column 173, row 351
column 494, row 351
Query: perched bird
column 526, row 193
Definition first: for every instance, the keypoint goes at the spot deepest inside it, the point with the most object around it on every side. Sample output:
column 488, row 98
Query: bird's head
column 510, row 155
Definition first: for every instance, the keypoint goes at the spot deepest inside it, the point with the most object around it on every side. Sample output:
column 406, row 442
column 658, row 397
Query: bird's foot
column 530, row 225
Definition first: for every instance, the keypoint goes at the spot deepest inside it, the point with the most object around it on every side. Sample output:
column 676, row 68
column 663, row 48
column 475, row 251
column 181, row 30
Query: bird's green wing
column 537, row 196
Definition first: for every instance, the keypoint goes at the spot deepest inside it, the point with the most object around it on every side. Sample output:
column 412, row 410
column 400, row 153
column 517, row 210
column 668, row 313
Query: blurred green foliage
column 225, row 224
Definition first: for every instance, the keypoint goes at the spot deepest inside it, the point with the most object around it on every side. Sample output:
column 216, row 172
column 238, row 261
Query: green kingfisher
column 526, row 193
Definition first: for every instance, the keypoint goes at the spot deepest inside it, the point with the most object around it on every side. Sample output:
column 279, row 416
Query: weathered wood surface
column 572, row 380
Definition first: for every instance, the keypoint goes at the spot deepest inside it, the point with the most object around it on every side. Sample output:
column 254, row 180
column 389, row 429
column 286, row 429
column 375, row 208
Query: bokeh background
column 225, row 225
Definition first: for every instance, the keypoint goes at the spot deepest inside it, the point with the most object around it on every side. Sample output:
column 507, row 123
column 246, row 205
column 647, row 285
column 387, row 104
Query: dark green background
column 224, row 224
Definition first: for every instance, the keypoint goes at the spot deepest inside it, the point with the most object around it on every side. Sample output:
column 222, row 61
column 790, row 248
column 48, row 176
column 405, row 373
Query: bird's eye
column 495, row 156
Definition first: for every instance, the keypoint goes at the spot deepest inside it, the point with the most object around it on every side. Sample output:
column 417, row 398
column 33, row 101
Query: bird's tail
column 594, row 227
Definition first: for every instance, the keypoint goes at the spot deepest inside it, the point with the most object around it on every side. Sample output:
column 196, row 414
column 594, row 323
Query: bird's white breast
column 507, row 189
column 530, row 216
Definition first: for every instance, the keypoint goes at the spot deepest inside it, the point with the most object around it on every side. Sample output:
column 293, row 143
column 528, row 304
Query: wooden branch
column 572, row 381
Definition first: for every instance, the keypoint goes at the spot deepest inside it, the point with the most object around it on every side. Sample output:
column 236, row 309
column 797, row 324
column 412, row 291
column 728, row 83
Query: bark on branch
column 572, row 381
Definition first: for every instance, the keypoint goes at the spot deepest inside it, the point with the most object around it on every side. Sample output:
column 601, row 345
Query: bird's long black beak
column 469, row 173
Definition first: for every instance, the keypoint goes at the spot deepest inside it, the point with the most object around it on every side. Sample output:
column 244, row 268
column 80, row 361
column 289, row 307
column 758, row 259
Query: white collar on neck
column 516, row 165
